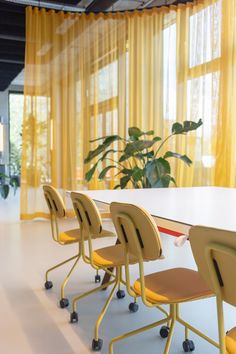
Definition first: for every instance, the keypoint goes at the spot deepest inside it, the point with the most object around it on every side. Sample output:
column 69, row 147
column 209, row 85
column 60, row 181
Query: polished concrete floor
column 31, row 321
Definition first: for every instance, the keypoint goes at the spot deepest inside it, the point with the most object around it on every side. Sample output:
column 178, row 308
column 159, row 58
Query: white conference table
column 176, row 209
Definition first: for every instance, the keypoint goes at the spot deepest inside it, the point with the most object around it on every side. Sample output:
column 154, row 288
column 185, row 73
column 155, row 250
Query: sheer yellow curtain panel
column 75, row 72
column 92, row 75
column 225, row 172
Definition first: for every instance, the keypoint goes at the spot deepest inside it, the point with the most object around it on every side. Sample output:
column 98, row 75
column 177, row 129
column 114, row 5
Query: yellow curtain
column 88, row 76
column 225, row 171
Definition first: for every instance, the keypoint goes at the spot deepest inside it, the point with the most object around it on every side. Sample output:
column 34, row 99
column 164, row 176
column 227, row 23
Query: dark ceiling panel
column 12, row 31
column 9, row 18
column 12, row 42
column 100, row 5
column 11, row 7
column 9, row 58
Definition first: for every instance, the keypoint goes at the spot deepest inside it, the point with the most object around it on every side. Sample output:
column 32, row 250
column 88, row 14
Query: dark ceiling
column 12, row 26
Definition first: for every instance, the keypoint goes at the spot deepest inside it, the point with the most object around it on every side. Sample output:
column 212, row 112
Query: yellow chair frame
column 133, row 245
column 57, row 211
column 88, row 216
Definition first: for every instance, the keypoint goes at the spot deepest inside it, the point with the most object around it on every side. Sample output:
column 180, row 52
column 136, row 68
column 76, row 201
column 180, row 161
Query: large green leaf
column 124, row 181
column 184, row 158
column 157, row 138
column 137, row 174
column 102, row 147
column 4, row 190
column 105, row 170
column 137, row 146
column 174, row 181
column 90, row 173
column 177, row 128
column 94, row 153
column 110, row 139
column 149, row 132
column 163, row 182
column 124, row 157
column 127, row 171
column 107, row 138
column 141, row 156
column 108, row 152
column 187, row 126
column 97, row 139
column 135, row 132
column 155, row 170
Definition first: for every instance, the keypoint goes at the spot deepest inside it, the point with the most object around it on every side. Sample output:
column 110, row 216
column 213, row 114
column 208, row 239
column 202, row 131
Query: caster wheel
column 74, row 317
column 64, row 303
column 97, row 345
column 164, row 331
column 133, row 307
column 48, row 285
column 120, row 294
column 188, row 346
column 97, row 278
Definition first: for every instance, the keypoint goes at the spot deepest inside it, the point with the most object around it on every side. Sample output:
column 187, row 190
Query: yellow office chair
column 57, row 211
column 104, row 258
column 214, row 251
column 172, row 286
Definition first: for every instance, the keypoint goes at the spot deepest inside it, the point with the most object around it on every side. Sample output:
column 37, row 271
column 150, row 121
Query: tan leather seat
column 72, row 236
column 112, row 256
column 174, row 286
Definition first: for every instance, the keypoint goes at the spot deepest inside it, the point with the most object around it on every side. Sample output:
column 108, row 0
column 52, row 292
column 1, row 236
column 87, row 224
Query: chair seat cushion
column 112, row 256
column 230, row 341
column 173, row 286
column 69, row 236
column 72, row 236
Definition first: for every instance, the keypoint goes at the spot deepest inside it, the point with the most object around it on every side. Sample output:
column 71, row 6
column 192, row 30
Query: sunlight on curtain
column 87, row 76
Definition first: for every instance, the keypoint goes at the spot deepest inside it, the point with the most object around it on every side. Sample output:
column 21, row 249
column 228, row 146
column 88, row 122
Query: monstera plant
column 142, row 160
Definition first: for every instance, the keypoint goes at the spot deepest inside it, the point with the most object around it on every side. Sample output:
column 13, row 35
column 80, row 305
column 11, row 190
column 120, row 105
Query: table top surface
column 209, row 206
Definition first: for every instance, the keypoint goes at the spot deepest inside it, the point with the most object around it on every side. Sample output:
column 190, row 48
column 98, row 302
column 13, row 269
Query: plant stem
column 117, row 162
column 163, row 142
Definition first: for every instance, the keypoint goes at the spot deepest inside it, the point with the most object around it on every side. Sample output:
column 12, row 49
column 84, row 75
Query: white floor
column 32, row 322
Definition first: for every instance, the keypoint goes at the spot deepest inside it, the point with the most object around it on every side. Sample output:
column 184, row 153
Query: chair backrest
column 136, row 228
column 54, row 201
column 214, row 251
column 87, row 213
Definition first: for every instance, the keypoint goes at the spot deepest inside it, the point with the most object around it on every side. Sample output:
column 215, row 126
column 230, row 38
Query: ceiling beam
column 12, row 37
column 100, row 5
column 15, row 57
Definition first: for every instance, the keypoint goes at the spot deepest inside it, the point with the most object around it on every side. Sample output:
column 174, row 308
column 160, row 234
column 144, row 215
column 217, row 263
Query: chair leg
column 194, row 330
column 74, row 314
column 221, row 330
column 170, row 335
column 64, row 302
column 58, row 265
column 97, row 342
column 136, row 331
